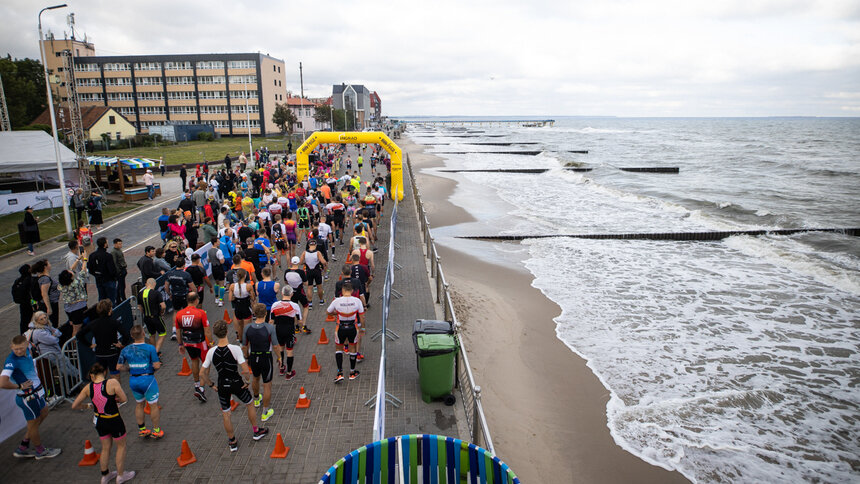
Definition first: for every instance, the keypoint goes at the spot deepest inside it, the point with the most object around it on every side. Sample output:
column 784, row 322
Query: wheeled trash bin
column 436, row 347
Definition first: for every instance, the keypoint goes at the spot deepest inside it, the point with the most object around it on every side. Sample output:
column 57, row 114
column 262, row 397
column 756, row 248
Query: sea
column 735, row 360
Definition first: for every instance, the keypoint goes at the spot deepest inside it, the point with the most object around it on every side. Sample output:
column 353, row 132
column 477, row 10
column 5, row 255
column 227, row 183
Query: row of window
column 156, row 66
column 216, row 124
column 90, row 97
column 171, row 80
column 239, row 109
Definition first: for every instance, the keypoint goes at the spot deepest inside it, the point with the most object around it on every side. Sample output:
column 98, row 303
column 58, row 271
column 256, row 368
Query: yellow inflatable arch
column 354, row 137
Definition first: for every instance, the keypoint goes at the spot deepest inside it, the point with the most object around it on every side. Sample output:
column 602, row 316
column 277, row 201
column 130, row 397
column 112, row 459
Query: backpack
column 22, row 290
column 91, row 204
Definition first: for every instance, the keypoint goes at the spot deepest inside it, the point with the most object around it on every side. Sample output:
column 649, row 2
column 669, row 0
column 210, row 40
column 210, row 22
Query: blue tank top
column 266, row 293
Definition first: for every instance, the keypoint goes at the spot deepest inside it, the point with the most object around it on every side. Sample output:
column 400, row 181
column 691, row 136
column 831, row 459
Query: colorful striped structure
column 420, row 459
column 129, row 162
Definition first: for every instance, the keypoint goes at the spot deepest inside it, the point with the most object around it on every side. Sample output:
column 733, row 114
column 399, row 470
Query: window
column 273, row 68
column 81, row 82
column 117, row 81
column 126, row 111
column 173, row 80
column 91, row 97
column 241, row 94
column 279, row 68
column 243, row 123
column 183, row 109
column 86, row 67
column 119, row 135
column 117, row 66
column 148, row 81
column 150, row 96
column 245, row 64
column 152, row 110
column 276, row 82
column 210, row 79
column 146, row 124
column 120, row 96
column 147, row 66
column 210, row 65
column 219, row 124
column 240, row 108
column 182, row 95
column 112, row 119
column 213, row 94
column 177, row 65
column 251, row 79
column 213, row 109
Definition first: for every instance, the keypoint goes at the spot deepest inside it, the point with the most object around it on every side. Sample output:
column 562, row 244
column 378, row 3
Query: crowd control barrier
column 470, row 392
column 420, row 459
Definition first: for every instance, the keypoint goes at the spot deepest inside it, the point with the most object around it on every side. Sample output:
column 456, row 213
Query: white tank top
column 240, row 290
column 312, row 259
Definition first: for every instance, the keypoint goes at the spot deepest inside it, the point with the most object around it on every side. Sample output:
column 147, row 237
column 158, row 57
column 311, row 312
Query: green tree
column 339, row 116
column 24, row 86
column 284, row 118
column 106, row 139
column 322, row 114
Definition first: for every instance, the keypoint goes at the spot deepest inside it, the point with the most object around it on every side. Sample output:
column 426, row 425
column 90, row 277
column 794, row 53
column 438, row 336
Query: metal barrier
column 385, row 333
column 470, row 393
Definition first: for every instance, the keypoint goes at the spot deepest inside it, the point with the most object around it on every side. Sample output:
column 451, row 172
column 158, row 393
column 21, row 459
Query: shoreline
column 533, row 385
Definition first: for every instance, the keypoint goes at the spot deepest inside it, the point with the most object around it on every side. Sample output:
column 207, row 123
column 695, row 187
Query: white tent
column 29, row 155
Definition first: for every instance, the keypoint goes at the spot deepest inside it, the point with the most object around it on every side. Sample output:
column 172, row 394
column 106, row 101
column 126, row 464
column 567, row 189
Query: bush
column 36, row 127
column 205, row 136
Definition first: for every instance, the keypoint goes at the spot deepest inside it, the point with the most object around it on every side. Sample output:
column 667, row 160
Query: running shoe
column 108, row 477
column 325, row 277
column 198, row 392
column 310, row 305
column 290, row 375
column 306, row 330
column 339, row 377
column 157, row 434
column 125, row 477
column 322, row 302
column 233, row 444
column 359, row 357
column 144, row 432
column 297, row 330
column 258, row 400
column 353, row 375
column 23, row 454
column 173, row 337
column 220, row 303
column 47, row 453
column 269, row 414
column 282, row 370
column 260, row 433
column 333, row 258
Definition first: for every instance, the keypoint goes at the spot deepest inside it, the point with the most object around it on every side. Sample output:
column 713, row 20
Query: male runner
column 141, row 361
column 193, row 332
column 296, row 278
column 178, row 284
column 216, row 262
column 227, row 359
column 350, row 318
column 284, row 314
column 19, row 373
column 259, row 339
column 153, row 306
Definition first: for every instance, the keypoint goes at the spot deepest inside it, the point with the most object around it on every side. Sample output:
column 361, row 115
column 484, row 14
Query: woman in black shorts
column 106, row 395
column 242, row 294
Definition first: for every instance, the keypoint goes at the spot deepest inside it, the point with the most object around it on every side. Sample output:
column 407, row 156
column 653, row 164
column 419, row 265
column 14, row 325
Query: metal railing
column 470, row 392
column 60, row 373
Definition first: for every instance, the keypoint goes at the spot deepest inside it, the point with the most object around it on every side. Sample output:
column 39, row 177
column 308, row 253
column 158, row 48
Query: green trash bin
column 437, row 364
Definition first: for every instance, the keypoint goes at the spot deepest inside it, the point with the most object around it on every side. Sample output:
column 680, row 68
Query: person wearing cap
column 296, row 278
column 149, row 180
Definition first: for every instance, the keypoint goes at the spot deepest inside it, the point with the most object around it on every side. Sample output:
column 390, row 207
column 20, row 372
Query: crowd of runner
column 269, row 242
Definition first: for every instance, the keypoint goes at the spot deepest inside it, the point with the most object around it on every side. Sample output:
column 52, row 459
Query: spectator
column 23, row 297
column 101, row 265
column 148, row 180
column 31, row 229
column 73, row 289
column 121, row 269
column 47, row 293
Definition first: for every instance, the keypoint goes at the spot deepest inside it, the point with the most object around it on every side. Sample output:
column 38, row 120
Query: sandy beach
column 545, row 408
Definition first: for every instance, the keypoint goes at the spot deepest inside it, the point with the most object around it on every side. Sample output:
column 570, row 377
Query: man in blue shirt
column 228, row 248
column 19, row 373
column 141, row 361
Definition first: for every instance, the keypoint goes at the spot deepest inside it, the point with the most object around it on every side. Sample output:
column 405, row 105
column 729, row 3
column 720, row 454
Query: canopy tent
column 110, row 161
column 129, row 188
column 29, row 151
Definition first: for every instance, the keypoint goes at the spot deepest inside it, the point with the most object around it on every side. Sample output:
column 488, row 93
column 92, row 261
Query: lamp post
column 248, row 112
column 62, row 178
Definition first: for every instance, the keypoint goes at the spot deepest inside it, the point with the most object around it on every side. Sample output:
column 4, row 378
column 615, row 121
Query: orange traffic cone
column 281, row 450
column 323, row 338
column 186, row 370
column 148, row 410
column 304, row 401
column 91, row 458
column 233, row 405
column 329, row 318
column 315, row 367
column 186, row 457
column 227, row 317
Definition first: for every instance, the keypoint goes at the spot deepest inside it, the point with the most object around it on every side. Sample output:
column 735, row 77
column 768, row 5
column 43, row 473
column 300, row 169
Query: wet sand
column 545, row 408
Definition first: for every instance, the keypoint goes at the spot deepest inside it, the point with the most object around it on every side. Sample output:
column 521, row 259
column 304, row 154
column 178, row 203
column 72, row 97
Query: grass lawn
column 194, row 152
column 54, row 227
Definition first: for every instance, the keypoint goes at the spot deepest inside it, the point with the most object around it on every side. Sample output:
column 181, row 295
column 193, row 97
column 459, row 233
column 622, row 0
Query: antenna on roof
column 70, row 19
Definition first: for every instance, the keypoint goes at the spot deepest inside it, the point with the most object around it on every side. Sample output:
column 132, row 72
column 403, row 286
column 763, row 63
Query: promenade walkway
column 336, row 422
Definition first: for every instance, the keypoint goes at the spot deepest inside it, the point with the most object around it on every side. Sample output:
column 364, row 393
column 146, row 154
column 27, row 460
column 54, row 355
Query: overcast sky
column 506, row 57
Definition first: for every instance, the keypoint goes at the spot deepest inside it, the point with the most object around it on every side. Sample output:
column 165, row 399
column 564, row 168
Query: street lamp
column 62, row 178
column 248, row 112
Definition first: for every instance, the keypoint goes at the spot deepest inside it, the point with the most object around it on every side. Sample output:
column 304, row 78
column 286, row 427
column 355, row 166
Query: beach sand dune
column 545, row 408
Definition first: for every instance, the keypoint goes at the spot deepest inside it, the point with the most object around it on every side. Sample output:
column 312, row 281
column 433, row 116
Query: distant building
column 376, row 106
column 95, row 119
column 304, row 110
column 355, row 100
column 154, row 90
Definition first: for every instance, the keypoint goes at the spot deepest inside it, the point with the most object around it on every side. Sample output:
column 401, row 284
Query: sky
column 507, row 57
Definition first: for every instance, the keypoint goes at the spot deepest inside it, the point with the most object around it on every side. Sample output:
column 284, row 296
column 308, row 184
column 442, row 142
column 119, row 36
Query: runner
column 304, row 219
column 227, row 360
column 106, row 395
column 350, row 318
column 296, row 279
column 178, row 284
column 141, row 361
column 198, row 276
column 241, row 295
column 337, row 210
column 152, row 306
column 259, row 339
column 19, row 373
column 104, row 330
column 284, row 314
column 193, row 332
column 267, row 291
column 290, row 230
column 216, row 262
column 315, row 264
